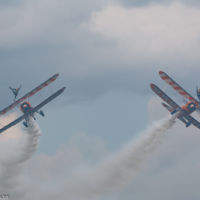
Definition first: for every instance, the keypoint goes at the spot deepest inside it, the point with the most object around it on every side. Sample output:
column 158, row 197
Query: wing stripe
column 177, row 87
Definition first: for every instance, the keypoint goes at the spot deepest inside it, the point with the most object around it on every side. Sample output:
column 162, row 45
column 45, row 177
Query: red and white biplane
column 26, row 108
column 182, row 112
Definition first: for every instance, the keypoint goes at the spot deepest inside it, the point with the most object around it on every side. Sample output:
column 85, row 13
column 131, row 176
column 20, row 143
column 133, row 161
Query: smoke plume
column 94, row 182
column 16, row 147
column 85, row 182
column 117, row 170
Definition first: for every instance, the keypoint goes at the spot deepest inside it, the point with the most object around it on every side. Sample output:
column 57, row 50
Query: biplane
column 183, row 113
column 25, row 106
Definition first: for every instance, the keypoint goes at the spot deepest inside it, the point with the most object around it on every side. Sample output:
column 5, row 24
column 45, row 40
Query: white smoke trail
column 84, row 183
column 116, row 171
column 17, row 146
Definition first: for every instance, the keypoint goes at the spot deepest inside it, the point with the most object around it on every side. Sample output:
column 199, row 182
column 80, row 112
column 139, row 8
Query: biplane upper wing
column 193, row 121
column 177, row 87
column 29, row 94
column 35, row 109
column 164, row 97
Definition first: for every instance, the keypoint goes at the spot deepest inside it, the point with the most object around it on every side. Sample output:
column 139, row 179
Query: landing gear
column 41, row 113
column 25, row 124
column 188, row 124
column 174, row 111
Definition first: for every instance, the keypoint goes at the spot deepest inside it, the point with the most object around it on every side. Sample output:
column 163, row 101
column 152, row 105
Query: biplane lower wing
column 177, row 87
column 12, row 123
column 29, row 94
column 164, row 97
column 33, row 110
column 53, row 96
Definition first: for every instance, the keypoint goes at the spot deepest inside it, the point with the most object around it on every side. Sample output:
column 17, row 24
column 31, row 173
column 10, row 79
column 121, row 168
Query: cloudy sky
column 107, row 52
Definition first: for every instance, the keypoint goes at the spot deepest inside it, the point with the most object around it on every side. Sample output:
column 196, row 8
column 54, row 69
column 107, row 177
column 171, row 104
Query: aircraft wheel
column 42, row 113
column 25, row 124
column 188, row 124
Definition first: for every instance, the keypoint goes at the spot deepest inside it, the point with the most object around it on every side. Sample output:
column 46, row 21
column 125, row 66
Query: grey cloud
column 90, row 63
column 136, row 3
column 143, row 2
column 10, row 2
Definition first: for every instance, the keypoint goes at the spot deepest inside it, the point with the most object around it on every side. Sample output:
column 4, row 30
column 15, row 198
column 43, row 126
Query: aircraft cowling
column 191, row 107
column 25, row 107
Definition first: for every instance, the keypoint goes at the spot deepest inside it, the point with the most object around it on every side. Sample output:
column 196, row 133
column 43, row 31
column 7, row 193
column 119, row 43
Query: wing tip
column 64, row 88
column 161, row 72
column 152, row 86
column 56, row 75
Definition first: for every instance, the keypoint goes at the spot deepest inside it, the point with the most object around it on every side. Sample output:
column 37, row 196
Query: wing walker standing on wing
column 26, row 108
column 182, row 112
column 15, row 91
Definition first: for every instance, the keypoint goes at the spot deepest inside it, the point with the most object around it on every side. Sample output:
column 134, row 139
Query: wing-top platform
column 29, row 94
column 177, row 87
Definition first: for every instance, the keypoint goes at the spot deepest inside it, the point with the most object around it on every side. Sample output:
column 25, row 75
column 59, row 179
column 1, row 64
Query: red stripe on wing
column 177, row 87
